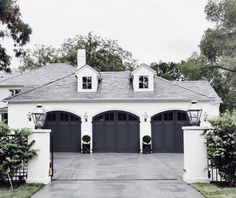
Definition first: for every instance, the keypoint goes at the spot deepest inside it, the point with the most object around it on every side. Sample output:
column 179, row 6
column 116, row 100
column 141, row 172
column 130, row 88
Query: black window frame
column 141, row 83
column 87, row 82
column 13, row 92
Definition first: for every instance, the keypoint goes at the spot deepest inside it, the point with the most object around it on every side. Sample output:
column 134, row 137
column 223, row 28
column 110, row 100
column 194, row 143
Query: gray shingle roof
column 114, row 86
column 202, row 86
column 39, row 76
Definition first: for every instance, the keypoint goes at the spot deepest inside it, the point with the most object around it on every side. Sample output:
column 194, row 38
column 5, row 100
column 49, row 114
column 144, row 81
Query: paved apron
column 118, row 175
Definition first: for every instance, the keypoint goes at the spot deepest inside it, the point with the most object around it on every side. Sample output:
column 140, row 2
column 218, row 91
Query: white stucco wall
column 17, row 113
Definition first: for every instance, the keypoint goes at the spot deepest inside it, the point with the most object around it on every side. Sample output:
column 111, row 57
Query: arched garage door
column 66, row 131
column 167, row 134
column 116, row 131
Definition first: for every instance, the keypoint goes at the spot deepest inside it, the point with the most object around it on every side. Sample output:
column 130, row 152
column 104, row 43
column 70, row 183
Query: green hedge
column 221, row 146
column 15, row 151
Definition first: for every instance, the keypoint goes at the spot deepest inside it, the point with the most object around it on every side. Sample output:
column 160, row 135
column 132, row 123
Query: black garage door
column 116, row 131
column 167, row 134
column 66, row 131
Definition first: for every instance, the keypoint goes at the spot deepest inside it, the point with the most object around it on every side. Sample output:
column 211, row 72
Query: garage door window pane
column 122, row 116
column 181, row 116
column 64, row 117
column 74, row 118
column 99, row 118
column 109, row 116
column 168, row 116
column 132, row 118
column 51, row 117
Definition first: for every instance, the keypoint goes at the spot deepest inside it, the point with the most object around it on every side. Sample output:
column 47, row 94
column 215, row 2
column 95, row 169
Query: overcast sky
column 153, row 30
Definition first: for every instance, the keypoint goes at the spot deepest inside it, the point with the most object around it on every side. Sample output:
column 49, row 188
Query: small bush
column 15, row 151
column 147, row 139
column 221, row 146
column 86, row 138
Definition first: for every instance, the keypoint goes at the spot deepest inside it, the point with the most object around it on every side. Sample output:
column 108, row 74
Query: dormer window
column 87, row 82
column 143, row 82
column 14, row 91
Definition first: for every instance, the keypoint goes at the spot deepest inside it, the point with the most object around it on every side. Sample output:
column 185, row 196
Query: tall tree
column 219, row 43
column 14, row 28
column 169, row 71
column 102, row 54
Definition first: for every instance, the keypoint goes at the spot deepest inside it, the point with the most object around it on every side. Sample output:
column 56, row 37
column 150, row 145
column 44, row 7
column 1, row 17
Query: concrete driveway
column 118, row 175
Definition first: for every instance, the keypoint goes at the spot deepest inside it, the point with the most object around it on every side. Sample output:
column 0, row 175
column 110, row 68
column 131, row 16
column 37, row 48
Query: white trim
column 169, row 109
column 116, row 109
column 65, row 110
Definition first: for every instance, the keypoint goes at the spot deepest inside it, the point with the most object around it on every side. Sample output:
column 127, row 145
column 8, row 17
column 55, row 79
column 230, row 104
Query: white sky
column 152, row 30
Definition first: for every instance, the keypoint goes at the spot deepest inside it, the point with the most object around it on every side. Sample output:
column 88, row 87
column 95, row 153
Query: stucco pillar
column 38, row 167
column 195, row 155
column 145, row 129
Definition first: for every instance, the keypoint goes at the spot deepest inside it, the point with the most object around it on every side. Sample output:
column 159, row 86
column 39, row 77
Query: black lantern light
column 39, row 116
column 145, row 116
column 194, row 113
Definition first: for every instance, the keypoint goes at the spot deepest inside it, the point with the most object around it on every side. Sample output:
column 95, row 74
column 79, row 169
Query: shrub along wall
column 15, row 151
column 221, row 146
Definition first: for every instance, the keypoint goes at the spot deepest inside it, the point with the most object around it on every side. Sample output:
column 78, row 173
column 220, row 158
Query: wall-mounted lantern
column 145, row 116
column 38, row 115
column 194, row 113
column 205, row 116
column 86, row 117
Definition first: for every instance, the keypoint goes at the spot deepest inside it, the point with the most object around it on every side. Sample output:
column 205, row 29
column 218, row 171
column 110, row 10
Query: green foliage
column 219, row 43
column 14, row 28
column 169, row 71
column 147, row 139
column 15, row 150
column 23, row 191
column 221, row 146
column 86, row 138
column 198, row 67
column 102, row 54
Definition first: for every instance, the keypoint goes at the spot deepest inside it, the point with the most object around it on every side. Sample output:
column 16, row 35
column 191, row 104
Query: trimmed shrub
column 147, row 139
column 86, row 138
column 15, row 151
column 221, row 146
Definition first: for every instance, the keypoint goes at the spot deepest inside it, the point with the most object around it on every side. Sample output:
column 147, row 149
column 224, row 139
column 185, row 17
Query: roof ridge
column 37, row 87
column 33, row 70
column 182, row 86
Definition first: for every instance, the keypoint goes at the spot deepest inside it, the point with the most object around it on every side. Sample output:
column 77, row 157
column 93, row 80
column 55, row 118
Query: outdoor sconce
column 86, row 117
column 205, row 116
column 145, row 116
column 194, row 113
column 29, row 116
column 38, row 115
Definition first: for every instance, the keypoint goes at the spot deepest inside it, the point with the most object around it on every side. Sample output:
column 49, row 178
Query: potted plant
column 86, row 144
column 147, row 144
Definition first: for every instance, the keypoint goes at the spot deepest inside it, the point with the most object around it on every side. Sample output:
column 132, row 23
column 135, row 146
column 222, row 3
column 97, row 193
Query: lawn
column 23, row 191
column 212, row 191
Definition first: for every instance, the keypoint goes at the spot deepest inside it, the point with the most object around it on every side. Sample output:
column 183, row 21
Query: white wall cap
column 195, row 127
column 41, row 131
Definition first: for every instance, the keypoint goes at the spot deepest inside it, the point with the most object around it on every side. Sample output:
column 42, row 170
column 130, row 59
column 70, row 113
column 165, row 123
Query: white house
column 115, row 108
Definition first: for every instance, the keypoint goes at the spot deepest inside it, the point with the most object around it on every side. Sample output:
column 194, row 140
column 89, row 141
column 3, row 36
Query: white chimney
column 81, row 58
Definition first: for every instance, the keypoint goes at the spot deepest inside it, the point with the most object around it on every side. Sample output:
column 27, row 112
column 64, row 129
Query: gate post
column 195, row 155
column 38, row 167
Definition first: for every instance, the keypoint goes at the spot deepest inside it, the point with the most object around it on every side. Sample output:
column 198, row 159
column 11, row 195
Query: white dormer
column 143, row 78
column 87, row 77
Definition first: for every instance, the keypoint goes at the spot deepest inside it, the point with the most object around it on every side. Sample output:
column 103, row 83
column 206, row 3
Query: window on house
column 87, row 82
column 14, row 91
column 143, row 82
